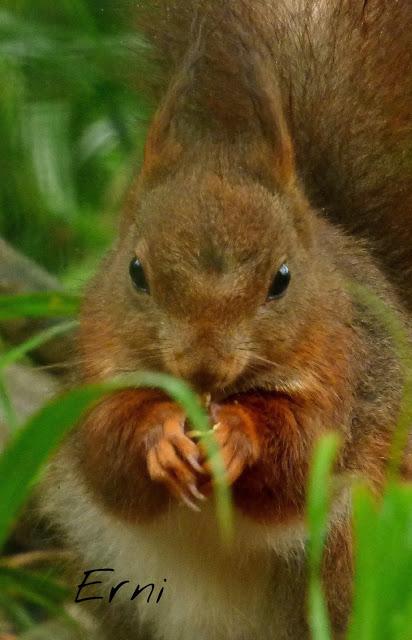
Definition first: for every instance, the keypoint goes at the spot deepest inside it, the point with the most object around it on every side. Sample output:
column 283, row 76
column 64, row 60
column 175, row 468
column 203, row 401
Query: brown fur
column 345, row 74
column 266, row 116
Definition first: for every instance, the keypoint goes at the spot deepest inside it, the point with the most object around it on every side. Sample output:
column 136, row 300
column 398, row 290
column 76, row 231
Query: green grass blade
column 319, row 496
column 318, row 613
column 318, row 504
column 37, row 582
column 7, row 407
column 18, row 352
column 34, row 342
column 50, row 304
column 382, row 606
column 363, row 623
column 15, row 612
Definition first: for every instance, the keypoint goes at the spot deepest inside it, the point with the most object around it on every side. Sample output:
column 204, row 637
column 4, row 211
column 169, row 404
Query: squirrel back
column 344, row 73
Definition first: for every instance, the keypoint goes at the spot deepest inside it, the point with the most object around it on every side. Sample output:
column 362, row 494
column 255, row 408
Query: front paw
column 236, row 435
column 172, row 457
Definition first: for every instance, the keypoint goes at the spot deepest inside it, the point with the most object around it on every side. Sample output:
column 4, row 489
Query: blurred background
column 72, row 126
column 73, row 116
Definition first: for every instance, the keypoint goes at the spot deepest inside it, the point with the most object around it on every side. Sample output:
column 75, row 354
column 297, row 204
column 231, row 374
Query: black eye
column 138, row 276
column 279, row 283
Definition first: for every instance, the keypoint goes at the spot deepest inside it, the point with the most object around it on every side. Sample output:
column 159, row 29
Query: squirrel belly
column 231, row 273
column 213, row 591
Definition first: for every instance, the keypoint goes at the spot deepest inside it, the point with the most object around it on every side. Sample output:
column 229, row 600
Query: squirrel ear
column 161, row 150
column 272, row 156
column 270, row 153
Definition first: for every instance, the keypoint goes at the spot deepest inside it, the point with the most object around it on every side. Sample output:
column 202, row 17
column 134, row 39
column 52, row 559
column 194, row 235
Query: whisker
column 69, row 364
column 262, row 359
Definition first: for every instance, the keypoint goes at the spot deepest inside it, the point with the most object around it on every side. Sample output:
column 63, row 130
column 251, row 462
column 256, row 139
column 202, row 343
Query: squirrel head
column 220, row 275
column 221, row 261
column 218, row 280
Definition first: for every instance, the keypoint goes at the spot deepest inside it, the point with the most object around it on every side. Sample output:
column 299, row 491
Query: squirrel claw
column 235, row 439
column 189, row 503
column 195, row 464
column 172, row 459
column 196, row 493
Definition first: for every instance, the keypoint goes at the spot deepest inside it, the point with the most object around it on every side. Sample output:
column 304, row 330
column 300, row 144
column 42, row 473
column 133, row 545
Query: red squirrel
column 280, row 138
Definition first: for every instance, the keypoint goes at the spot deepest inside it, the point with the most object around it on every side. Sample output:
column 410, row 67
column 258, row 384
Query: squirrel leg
column 268, row 461
column 337, row 574
column 134, row 454
column 266, row 440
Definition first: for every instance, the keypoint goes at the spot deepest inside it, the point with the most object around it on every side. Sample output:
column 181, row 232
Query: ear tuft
column 162, row 150
column 272, row 156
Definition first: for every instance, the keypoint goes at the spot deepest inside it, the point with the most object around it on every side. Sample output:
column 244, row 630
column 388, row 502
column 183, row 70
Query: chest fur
column 240, row 591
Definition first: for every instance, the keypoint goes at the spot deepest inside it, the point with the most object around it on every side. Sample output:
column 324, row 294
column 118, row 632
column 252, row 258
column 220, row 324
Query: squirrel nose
column 204, row 379
column 205, row 370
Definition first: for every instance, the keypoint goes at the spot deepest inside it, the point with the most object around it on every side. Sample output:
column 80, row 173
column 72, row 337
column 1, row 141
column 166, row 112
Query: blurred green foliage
column 71, row 125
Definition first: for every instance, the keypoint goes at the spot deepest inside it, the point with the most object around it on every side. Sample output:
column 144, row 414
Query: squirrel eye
column 138, row 276
column 279, row 283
